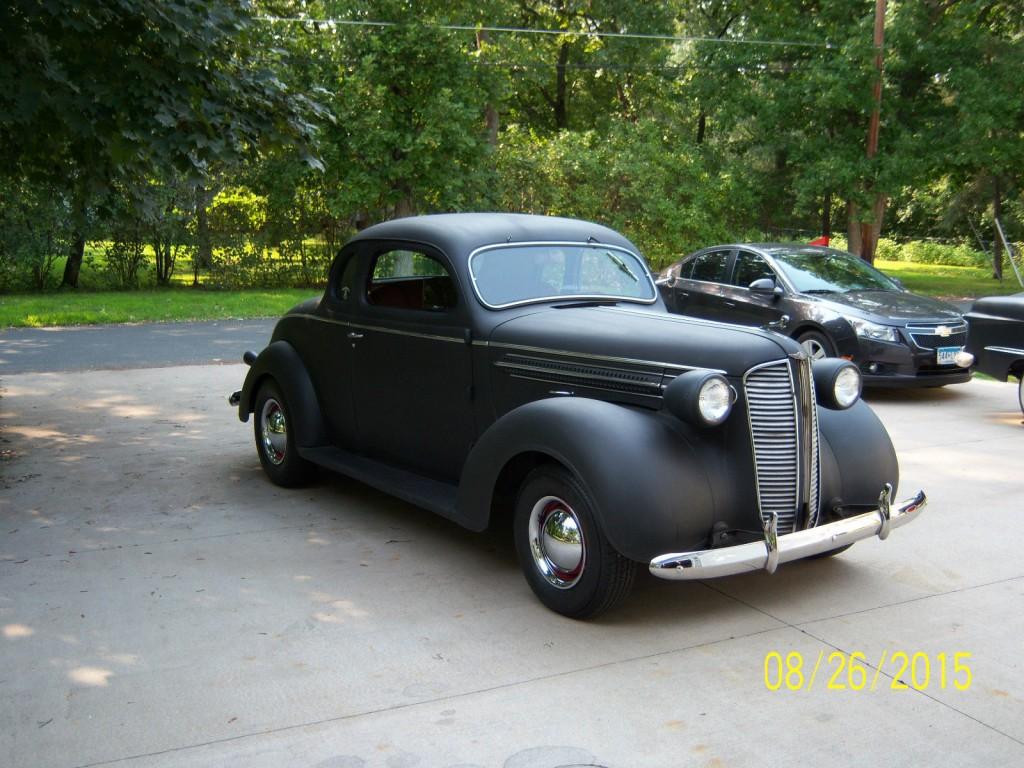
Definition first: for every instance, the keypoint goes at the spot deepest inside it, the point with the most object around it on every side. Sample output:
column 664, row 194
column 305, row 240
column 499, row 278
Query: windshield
column 517, row 274
column 830, row 271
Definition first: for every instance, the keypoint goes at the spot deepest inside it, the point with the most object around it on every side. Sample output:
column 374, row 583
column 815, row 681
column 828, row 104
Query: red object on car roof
column 820, row 241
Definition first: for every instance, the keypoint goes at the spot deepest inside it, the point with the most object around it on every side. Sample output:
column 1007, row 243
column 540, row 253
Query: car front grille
column 928, row 336
column 784, row 433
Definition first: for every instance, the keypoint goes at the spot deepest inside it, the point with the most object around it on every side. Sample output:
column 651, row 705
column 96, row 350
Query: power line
column 332, row 23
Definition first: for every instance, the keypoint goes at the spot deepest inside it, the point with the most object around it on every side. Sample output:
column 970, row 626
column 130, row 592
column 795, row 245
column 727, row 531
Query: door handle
column 729, row 303
column 354, row 335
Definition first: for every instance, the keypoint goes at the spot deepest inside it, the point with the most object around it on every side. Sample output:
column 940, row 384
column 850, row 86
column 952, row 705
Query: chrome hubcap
column 556, row 541
column 814, row 349
column 274, row 431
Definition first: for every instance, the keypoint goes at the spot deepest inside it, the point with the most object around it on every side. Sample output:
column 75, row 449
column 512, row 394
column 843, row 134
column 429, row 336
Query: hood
column 889, row 306
column 645, row 336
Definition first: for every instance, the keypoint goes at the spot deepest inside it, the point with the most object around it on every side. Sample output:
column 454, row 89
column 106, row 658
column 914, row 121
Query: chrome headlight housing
column 702, row 398
column 837, row 383
column 865, row 329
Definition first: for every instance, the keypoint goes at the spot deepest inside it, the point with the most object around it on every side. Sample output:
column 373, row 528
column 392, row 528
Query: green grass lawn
column 949, row 282
column 185, row 303
column 168, row 304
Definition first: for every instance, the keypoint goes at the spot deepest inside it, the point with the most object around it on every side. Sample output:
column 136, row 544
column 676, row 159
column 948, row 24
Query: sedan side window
column 750, row 267
column 406, row 279
column 711, row 267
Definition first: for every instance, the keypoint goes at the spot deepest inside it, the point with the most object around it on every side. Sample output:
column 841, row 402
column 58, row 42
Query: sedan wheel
column 816, row 345
column 1020, row 390
column 567, row 561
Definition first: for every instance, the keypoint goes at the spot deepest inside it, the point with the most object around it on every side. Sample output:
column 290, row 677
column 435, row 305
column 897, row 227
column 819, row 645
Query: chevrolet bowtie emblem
column 943, row 331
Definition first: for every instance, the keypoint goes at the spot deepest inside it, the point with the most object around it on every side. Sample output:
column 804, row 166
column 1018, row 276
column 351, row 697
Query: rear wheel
column 567, row 561
column 275, row 442
column 816, row 345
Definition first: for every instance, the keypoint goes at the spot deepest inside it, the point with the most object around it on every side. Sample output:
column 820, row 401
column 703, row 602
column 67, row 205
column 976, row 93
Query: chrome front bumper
column 775, row 549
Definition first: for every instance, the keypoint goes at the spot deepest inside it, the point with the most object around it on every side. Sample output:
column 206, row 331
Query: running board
column 434, row 495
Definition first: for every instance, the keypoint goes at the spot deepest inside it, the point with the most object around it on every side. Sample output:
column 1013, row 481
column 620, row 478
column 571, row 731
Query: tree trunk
column 826, row 214
column 997, row 245
column 561, row 89
column 491, row 117
column 852, row 227
column 203, row 258
column 870, row 230
column 702, row 126
column 77, row 250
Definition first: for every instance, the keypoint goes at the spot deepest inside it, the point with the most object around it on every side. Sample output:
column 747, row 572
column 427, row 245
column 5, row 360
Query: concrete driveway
column 161, row 604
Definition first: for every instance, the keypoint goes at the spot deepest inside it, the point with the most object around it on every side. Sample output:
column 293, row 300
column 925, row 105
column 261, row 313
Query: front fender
column 857, row 456
column 650, row 486
column 282, row 363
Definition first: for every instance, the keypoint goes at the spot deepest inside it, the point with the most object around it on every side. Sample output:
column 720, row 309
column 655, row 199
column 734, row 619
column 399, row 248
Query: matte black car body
column 997, row 338
column 453, row 408
column 921, row 323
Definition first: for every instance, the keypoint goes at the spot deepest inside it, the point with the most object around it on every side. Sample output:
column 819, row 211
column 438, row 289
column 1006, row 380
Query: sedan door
column 413, row 383
column 750, row 307
column 700, row 290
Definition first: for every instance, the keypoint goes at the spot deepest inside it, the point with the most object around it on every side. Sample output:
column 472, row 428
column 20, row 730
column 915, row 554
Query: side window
column 750, row 267
column 711, row 267
column 404, row 279
column 345, row 287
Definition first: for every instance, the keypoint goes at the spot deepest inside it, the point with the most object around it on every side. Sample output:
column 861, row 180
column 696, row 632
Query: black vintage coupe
column 830, row 301
column 496, row 367
column 997, row 338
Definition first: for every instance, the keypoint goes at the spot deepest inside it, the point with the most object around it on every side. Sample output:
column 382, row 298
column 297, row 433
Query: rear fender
column 280, row 362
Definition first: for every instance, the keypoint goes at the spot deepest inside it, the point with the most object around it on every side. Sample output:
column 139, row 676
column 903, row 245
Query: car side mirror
column 765, row 285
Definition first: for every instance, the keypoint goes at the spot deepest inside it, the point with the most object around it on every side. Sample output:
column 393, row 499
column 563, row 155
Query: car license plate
column 947, row 355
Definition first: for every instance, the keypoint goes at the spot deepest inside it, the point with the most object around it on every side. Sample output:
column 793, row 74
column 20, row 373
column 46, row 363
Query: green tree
column 96, row 92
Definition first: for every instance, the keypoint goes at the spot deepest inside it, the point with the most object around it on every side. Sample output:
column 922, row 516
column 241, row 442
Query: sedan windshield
column 830, row 271
column 518, row 274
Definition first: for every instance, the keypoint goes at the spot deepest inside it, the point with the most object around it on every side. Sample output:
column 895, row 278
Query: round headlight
column 837, row 382
column 847, row 386
column 714, row 400
column 701, row 398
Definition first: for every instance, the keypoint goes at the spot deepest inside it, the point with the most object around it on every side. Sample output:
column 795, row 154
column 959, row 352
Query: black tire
column 1020, row 390
column 816, row 344
column 277, row 453
column 601, row 578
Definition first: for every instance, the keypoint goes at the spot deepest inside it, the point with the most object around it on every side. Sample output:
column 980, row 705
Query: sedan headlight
column 836, row 382
column 868, row 330
column 701, row 398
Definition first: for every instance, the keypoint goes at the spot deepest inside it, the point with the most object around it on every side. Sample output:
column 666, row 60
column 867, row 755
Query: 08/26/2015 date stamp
column 841, row 671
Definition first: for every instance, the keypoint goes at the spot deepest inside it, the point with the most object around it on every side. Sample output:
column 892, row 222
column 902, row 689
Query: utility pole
column 868, row 243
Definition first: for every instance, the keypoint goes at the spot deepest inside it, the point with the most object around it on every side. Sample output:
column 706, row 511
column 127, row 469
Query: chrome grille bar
column 773, row 416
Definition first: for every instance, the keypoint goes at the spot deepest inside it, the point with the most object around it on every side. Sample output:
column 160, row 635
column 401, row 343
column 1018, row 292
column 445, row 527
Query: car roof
column 768, row 249
column 462, row 233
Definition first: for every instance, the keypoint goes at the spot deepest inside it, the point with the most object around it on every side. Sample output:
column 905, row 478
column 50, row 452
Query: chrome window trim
column 560, row 298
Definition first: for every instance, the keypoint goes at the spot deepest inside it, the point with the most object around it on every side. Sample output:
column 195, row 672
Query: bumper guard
column 775, row 549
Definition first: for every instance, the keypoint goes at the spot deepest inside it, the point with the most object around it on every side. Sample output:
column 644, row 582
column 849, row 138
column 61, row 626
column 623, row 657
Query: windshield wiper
column 618, row 262
column 822, row 290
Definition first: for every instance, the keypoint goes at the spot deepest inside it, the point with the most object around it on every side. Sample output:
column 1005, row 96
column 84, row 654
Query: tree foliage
column 681, row 123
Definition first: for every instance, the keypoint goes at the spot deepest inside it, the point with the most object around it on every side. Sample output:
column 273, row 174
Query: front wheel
column 275, row 442
column 567, row 561
column 816, row 345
